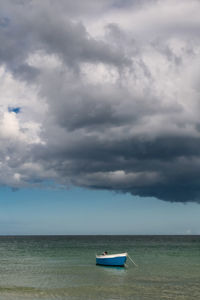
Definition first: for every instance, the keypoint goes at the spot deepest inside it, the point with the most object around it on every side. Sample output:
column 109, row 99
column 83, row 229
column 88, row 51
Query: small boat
column 117, row 260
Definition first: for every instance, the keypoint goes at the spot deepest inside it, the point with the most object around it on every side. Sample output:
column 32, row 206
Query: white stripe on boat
column 112, row 255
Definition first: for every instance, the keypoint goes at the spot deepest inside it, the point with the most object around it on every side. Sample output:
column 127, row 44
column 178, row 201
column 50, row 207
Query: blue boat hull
column 115, row 261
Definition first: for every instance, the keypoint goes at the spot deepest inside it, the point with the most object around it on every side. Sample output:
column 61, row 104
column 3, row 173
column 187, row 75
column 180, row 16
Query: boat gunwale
column 125, row 254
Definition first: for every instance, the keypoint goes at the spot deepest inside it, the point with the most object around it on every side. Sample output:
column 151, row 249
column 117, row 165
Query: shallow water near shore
column 63, row 267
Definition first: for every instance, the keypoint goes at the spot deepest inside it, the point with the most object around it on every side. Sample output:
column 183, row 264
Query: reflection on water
column 113, row 269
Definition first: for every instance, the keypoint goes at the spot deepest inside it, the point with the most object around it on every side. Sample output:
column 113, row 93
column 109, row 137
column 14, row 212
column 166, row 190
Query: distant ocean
column 63, row 267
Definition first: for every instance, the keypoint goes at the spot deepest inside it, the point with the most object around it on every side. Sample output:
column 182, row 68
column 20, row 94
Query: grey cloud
column 121, row 107
column 73, row 43
column 33, row 27
column 164, row 168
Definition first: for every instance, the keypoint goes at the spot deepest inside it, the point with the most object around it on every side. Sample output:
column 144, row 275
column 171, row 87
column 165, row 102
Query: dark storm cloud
column 108, row 94
column 33, row 26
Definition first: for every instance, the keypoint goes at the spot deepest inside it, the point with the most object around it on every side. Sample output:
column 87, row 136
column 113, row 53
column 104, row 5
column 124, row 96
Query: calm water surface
column 63, row 267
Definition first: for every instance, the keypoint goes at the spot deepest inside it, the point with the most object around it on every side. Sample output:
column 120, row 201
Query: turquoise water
column 63, row 267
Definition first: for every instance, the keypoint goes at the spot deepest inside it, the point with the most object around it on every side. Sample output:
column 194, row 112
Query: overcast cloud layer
column 101, row 94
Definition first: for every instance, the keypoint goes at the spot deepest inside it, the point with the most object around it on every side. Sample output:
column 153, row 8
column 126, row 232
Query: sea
column 64, row 267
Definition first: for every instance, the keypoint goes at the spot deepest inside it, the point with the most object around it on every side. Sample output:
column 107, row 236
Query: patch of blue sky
column 82, row 211
column 16, row 110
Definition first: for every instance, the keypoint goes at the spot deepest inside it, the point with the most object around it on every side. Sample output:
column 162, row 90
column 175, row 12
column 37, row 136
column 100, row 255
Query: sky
column 99, row 117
